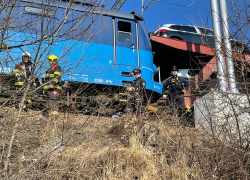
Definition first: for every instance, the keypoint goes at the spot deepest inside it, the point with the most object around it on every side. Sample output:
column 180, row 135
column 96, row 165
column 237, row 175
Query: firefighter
column 52, row 87
column 176, row 87
column 136, row 92
column 22, row 72
column 52, row 90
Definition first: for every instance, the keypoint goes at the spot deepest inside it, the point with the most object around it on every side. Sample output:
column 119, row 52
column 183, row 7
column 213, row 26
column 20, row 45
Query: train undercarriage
column 75, row 96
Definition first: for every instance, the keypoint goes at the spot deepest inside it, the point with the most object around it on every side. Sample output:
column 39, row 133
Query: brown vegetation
column 127, row 147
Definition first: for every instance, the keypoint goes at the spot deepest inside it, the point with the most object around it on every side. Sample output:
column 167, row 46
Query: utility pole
column 218, row 49
column 248, row 10
column 228, row 48
column 117, row 5
column 149, row 4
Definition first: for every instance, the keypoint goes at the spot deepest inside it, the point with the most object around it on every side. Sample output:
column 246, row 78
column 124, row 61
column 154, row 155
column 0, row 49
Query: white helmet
column 26, row 54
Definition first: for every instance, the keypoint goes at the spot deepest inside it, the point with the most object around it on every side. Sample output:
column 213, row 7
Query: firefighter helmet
column 52, row 58
column 174, row 68
column 26, row 54
column 137, row 71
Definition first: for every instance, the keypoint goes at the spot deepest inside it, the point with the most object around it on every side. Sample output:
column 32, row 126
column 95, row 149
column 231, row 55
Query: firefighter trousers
column 27, row 102
column 52, row 104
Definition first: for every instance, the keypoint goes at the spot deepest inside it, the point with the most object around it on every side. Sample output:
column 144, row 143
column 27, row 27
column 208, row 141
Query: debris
column 25, row 159
column 58, row 145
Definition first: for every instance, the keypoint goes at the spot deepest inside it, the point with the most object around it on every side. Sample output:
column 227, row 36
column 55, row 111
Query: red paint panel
column 186, row 46
column 206, row 71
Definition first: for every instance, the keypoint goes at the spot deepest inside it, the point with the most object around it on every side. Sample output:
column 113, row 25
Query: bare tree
column 149, row 147
column 41, row 28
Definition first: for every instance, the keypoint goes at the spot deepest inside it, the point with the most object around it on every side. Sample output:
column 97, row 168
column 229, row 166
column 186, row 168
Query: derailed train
column 95, row 46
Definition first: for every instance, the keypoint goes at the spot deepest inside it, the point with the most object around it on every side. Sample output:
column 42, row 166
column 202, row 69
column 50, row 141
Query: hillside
column 128, row 147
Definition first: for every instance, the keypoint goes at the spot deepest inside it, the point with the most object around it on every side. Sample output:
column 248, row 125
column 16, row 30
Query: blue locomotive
column 93, row 45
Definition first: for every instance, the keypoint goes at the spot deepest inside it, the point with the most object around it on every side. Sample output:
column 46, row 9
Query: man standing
column 136, row 92
column 52, row 87
column 176, row 87
column 22, row 72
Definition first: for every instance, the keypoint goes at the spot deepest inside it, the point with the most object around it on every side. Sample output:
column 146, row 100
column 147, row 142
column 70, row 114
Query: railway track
column 78, row 97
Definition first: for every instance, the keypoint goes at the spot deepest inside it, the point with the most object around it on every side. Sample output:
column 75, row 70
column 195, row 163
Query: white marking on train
column 143, row 67
column 108, row 81
column 99, row 80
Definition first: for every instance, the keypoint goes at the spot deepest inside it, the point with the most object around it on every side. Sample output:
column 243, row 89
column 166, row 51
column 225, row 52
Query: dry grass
column 116, row 148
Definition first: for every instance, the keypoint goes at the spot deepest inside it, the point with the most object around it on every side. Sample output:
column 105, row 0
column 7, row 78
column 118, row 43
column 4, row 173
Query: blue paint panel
column 83, row 59
column 147, row 68
column 125, row 54
column 94, row 28
column 100, row 70
column 104, row 28
column 144, row 41
column 92, row 63
column 98, row 27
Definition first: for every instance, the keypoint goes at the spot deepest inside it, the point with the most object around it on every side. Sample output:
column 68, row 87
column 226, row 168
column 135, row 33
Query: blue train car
column 93, row 45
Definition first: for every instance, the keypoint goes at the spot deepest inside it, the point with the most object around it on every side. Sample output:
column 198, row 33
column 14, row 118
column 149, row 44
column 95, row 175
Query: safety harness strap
column 53, row 68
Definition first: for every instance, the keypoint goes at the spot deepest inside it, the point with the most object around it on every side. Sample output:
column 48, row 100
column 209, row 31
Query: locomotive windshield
column 124, row 31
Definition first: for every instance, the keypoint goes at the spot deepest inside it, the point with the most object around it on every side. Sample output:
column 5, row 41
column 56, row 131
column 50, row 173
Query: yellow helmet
column 52, row 58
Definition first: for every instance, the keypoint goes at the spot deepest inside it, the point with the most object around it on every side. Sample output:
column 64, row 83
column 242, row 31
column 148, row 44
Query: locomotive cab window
column 124, row 31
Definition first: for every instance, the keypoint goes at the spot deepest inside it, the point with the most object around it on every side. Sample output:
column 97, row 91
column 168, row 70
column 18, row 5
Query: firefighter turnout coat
column 24, row 71
column 53, row 76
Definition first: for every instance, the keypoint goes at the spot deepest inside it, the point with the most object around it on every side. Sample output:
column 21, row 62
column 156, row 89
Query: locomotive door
column 125, row 41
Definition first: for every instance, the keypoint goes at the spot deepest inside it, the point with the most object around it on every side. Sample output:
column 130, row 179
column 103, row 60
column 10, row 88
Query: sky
column 160, row 13
column 196, row 12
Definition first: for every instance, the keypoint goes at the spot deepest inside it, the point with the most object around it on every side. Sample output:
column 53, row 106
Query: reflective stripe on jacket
column 175, row 83
column 53, row 75
column 24, row 71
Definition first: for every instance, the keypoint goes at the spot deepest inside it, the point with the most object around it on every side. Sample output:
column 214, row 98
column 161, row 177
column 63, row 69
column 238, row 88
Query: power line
column 192, row 3
column 144, row 9
column 117, row 5
column 186, row 6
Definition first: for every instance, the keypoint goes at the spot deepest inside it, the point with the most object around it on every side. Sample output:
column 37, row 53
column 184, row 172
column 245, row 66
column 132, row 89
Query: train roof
column 132, row 16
